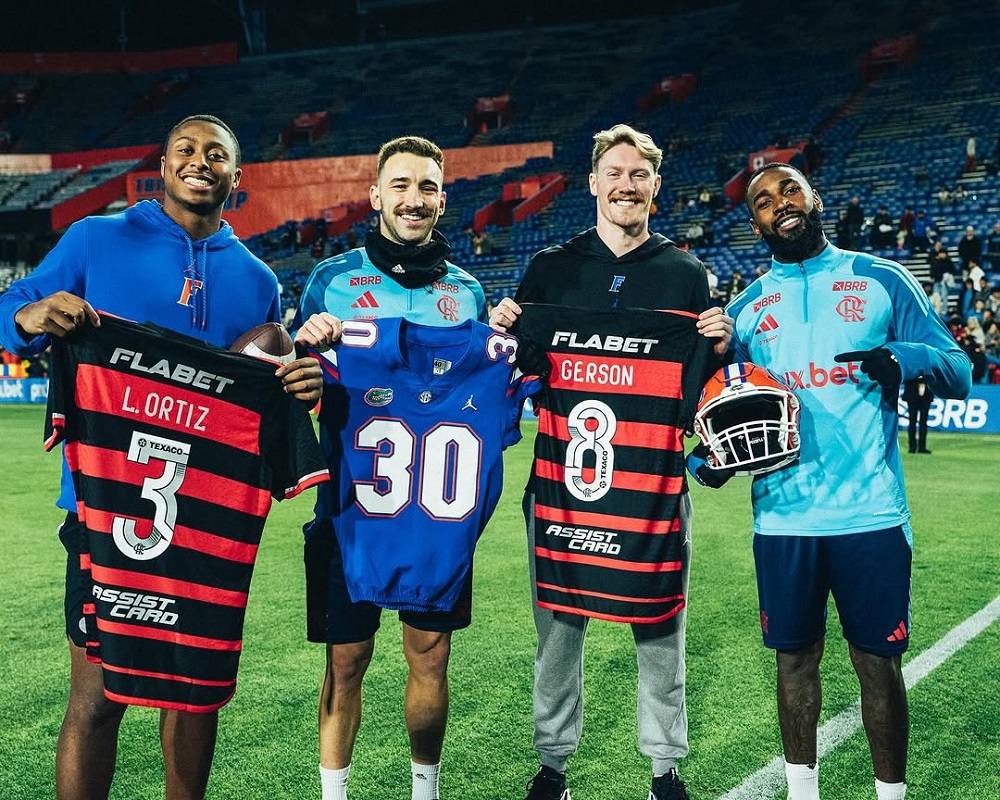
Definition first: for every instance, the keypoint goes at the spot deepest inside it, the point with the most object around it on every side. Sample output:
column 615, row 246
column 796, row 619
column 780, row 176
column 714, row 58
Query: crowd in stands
column 13, row 366
column 908, row 154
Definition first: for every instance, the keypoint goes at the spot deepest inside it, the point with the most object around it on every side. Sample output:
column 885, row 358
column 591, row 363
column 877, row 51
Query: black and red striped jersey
column 609, row 457
column 176, row 450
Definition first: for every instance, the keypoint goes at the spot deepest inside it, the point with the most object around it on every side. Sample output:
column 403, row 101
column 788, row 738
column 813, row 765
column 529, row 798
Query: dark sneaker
column 548, row 785
column 668, row 787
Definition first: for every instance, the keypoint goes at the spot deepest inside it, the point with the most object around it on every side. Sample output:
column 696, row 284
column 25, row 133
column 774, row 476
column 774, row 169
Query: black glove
column 698, row 466
column 880, row 365
column 532, row 359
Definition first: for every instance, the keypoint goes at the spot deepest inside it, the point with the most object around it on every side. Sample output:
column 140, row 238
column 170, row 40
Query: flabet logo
column 816, row 377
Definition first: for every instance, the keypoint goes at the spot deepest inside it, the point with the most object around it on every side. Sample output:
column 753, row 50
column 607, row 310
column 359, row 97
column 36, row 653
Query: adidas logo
column 367, row 300
column 899, row 634
column 769, row 324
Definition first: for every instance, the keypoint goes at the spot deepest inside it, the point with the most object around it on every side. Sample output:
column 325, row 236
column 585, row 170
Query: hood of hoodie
column 589, row 245
column 192, row 255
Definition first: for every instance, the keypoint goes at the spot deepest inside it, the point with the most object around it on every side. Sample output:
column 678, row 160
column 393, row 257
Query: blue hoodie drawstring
column 195, row 272
column 201, row 300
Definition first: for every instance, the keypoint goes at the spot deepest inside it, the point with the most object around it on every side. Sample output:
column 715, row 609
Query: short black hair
column 764, row 168
column 214, row 121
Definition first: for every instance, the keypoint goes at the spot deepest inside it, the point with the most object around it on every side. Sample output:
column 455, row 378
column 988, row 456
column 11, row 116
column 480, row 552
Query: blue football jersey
column 415, row 419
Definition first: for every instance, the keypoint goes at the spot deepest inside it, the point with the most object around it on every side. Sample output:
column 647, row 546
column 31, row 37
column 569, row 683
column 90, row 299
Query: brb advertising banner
column 978, row 413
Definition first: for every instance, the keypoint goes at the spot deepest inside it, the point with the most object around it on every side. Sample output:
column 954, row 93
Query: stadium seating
column 755, row 83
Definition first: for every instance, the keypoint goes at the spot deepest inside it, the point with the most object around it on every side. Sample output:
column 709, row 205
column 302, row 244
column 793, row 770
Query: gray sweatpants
column 558, row 693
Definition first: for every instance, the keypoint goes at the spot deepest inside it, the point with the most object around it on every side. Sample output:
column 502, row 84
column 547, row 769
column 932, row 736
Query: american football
column 268, row 342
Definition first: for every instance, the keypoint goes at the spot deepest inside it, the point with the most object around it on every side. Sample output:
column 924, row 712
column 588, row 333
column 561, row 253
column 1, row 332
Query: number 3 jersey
column 415, row 421
column 176, row 449
column 609, row 457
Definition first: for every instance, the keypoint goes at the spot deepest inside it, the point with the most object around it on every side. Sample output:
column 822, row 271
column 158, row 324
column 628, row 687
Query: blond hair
column 626, row 134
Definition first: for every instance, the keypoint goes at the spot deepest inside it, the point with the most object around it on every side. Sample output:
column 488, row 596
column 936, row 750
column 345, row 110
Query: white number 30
column 447, row 451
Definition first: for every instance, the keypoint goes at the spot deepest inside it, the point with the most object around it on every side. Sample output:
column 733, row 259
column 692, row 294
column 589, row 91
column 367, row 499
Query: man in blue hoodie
column 176, row 264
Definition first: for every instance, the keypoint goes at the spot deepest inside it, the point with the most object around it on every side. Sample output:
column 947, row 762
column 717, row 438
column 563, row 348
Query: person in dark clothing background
column 917, row 396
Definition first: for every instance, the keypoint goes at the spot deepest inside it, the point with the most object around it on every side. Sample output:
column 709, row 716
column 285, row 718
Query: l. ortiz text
column 165, row 408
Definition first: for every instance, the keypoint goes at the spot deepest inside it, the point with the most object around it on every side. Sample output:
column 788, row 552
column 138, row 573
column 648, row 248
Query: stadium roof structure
column 271, row 26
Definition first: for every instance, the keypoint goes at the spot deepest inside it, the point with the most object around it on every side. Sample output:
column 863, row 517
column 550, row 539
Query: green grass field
column 267, row 741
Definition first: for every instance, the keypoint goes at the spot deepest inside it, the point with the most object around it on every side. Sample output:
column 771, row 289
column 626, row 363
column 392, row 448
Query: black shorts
column 331, row 615
column 81, row 618
column 868, row 575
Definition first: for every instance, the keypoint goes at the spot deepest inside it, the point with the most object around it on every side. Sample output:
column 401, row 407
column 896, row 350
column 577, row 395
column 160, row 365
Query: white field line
column 770, row 779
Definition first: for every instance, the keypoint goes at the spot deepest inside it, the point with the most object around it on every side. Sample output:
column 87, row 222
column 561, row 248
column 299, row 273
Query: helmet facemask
column 748, row 420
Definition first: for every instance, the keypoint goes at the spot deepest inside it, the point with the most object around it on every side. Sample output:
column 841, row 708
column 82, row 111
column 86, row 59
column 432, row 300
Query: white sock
column 803, row 781
column 334, row 782
column 890, row 791
column 425, row 780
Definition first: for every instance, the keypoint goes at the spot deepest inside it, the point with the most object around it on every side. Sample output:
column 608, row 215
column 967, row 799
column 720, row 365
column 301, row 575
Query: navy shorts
column 868, row 575
column 331, row 615
column 81, row 620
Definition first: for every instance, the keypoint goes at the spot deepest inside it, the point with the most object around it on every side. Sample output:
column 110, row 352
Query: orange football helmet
column 748, row 419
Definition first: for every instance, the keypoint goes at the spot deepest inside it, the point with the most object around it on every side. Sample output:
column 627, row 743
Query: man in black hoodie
column 616, row 265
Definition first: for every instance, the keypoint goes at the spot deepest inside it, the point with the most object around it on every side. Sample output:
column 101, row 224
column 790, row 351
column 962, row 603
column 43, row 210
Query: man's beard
column 807, row 241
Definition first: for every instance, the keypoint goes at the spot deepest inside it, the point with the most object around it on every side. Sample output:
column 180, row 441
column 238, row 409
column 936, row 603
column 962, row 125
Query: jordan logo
column 468, row 405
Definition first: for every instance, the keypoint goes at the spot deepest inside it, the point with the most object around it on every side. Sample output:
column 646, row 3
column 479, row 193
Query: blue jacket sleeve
column 923, row 345
column 63, row 269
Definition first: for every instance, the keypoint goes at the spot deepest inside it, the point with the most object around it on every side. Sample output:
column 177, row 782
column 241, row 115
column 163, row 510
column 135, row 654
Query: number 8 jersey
column 415, row 419
column 609, row 457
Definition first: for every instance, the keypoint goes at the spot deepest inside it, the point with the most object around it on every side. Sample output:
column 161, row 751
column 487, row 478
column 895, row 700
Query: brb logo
column 851, row 308
column 972, row 414
column 816, row 377
column 764, row 302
